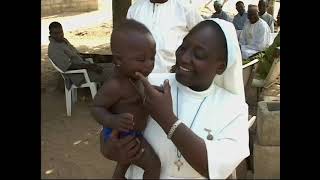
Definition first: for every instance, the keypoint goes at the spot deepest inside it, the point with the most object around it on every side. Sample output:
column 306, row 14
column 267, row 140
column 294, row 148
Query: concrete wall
column 51, row 7
column 266, row 162
column 266, row 150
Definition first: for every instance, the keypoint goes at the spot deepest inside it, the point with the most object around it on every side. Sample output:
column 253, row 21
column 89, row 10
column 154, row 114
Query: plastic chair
column 71, row 94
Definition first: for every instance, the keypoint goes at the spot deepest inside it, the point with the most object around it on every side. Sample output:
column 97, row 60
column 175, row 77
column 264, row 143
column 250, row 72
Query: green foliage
column 265, row 58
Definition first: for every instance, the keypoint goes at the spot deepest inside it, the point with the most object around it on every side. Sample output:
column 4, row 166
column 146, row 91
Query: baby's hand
column 123, row 122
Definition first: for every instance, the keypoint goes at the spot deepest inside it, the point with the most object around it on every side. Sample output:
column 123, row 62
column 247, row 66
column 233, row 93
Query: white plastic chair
column 71, row 94
column 250, row 123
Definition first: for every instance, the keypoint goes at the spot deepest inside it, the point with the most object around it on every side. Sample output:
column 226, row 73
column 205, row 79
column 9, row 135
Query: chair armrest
column 83, row 71
column 250, row 63
column 251, row 121
column 75, row 71
column 89, row 60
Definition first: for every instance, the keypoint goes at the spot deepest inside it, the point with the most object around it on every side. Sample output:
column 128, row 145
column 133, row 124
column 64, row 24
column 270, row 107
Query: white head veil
column 231, row 79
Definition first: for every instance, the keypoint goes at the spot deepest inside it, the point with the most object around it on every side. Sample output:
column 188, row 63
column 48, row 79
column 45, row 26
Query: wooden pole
column 119, row 11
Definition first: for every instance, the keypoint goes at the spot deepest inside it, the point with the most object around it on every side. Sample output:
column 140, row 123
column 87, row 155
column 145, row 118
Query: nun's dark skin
column 198, row 61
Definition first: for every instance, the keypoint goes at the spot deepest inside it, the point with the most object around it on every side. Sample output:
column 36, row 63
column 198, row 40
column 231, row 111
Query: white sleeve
column 272, row 27
column 129, row 13
column 229, row 148
column 242, row 38
column 271, row 23
column 193, row 17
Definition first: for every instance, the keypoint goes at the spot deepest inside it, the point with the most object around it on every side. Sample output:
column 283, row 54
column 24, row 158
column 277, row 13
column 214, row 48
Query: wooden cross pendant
column 178, row 164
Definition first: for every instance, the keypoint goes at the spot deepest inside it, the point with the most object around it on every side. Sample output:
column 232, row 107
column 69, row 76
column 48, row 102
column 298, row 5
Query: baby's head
column 133, row 49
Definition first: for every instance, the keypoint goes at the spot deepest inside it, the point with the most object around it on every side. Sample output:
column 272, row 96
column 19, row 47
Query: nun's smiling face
column 200, row 57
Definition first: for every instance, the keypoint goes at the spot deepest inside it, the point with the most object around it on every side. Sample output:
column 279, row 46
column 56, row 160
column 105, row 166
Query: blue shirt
column 238, row 20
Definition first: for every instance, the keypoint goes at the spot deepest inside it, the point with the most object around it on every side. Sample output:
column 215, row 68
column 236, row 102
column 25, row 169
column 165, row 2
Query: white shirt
column 225, row 114
column 254, row 38
column 168, row 22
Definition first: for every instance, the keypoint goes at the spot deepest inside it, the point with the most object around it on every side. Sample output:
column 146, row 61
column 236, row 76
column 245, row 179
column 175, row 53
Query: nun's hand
column 158, row 103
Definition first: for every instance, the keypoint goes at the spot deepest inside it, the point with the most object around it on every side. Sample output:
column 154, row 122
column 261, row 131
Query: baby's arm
column 106, row 96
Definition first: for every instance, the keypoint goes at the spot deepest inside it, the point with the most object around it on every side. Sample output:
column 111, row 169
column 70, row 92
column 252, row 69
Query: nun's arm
column 215, row 158
column 227, row 152
column 192, row 147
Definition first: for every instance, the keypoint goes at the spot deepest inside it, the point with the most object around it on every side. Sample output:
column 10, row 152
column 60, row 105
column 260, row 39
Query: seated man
column 219, row 12
column 268, row 18
column 67, row 57
column 241, row 17
column 255, row 35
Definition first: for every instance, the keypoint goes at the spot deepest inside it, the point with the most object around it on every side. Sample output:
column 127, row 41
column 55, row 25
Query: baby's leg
column 120, row 171
column 149, row 161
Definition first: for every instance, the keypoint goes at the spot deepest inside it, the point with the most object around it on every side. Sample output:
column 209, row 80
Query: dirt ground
column 70, row 145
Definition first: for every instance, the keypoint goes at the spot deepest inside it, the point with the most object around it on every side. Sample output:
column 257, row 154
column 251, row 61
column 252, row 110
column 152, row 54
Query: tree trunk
column 270, row 9
column 119, row 11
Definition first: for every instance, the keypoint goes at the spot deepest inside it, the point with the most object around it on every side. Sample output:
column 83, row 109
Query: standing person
column 268, row 18
column 240, row 19
column 219, row 12
column 169, row 21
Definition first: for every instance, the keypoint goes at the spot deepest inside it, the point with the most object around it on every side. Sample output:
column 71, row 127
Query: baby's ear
column 221, row 67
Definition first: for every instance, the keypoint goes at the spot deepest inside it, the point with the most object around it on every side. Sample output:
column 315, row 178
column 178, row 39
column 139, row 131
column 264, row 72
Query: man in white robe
column 255, row 35
column 169, row 21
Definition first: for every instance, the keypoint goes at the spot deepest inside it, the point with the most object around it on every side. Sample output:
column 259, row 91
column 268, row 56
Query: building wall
column 51, row 7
